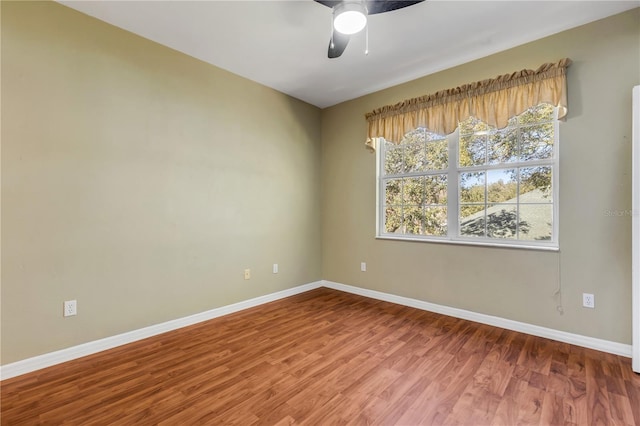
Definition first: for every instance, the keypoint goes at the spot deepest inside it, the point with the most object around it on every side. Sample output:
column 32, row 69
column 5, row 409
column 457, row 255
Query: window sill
column 470, row 243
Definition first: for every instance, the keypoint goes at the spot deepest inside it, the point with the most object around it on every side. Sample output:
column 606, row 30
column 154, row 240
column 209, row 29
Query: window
column 477, row 185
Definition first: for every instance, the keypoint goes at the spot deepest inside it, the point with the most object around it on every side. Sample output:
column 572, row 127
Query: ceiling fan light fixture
column 349, row 17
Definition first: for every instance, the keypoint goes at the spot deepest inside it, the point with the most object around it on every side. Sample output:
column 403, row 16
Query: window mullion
column 555, row 176
column 380, row 187
column 512, row 165
column 452, row 185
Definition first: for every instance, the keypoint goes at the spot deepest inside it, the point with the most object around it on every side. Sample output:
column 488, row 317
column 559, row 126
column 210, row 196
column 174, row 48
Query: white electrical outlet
column 588, row 300
column 363, row 266
column 70, row 308
column 247, row 274
column 275, row 268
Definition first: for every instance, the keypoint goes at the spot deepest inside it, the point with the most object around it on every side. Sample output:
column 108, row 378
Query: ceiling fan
column 350, row 17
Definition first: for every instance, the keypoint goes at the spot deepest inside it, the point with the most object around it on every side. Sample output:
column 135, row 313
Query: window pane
column 435, row 219
column 413, row 190
column 412, row 220
column 472, row 187
column 535, row 185
column 432, row 137
column 472, row 221
column 472, row 125
column 393, row 191
column 537, row 142
column 473, row 150
column 501, row 221
column 536, row 222
column 502, row 185
column 503, row 146
column 436, row 189
column 536, row 114
column 392, row 159
column 437, row 155
column 393, row 220
column 417, row 135
column 415, row 159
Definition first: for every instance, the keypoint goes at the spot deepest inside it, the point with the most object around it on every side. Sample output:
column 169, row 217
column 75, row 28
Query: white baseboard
column 536, row 330
column 46, row 360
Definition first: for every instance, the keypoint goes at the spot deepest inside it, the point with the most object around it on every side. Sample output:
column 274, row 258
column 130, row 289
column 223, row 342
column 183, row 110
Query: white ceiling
column 283, row 44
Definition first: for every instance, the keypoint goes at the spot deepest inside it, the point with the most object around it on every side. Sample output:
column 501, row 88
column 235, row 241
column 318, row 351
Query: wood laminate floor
column 327, row 358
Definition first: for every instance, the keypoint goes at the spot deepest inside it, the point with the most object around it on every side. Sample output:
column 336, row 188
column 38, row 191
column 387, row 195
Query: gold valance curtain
column 493, row 101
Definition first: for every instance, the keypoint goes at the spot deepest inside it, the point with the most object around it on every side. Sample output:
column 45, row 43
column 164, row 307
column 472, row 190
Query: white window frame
column 453, row 205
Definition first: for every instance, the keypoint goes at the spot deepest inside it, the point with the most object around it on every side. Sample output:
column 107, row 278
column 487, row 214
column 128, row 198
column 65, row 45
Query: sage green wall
column 141, row 182
column 595, row 177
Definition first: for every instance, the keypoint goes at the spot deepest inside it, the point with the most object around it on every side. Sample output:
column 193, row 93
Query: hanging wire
column 332, row 45
column 366, row 46
column 558, row 293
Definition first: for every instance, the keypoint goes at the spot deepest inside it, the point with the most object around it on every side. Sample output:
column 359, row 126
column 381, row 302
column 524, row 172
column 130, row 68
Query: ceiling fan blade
column 340, row 42
column 329, row 3
column 381, row 6
column 375, row 6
